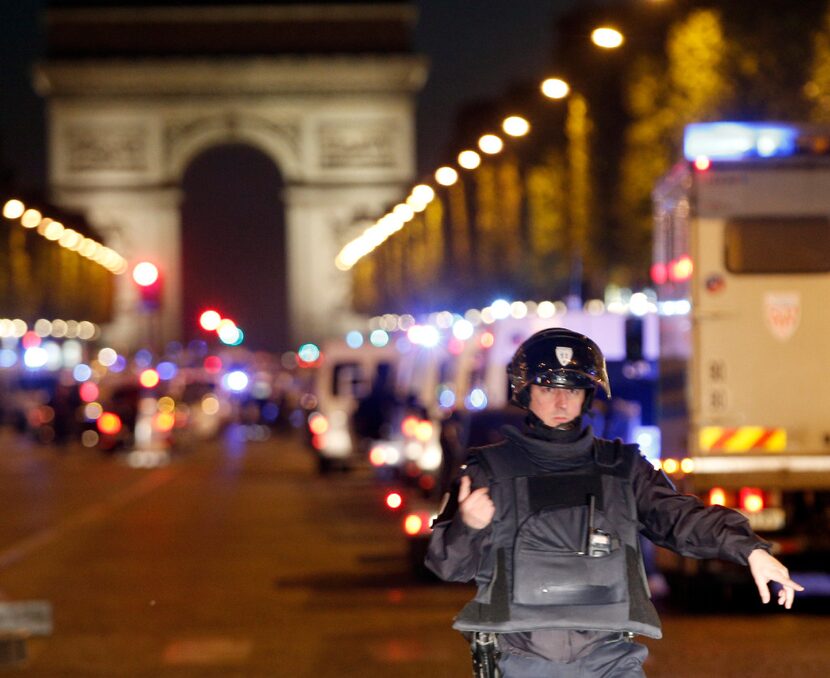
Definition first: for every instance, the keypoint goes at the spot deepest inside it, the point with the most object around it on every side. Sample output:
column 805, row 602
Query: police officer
column 547, row 524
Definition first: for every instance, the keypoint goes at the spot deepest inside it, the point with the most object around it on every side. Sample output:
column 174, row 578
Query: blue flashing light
column 446, row 398
column 143, row 358
column 166, row 370
column 477, row 399
column 81, row 372
column 738, row 141
column 354, row 339
column 119, row 365
column 8, row 357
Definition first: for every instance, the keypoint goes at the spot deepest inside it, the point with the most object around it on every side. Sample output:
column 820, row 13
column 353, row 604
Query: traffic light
column 148, row 278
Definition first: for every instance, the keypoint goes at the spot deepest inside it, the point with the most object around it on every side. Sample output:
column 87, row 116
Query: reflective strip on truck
column 742, row 439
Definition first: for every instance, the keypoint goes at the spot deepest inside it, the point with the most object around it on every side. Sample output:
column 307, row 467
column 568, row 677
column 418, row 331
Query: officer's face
column 556, row 406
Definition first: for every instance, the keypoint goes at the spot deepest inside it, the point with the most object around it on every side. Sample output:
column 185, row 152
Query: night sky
column 476, row 51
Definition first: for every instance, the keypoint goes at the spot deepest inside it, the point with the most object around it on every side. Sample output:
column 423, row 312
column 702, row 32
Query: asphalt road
column 236, row 559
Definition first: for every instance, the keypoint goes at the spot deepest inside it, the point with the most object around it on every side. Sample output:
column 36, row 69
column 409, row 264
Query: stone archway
column 340, row 127
column 233, row 244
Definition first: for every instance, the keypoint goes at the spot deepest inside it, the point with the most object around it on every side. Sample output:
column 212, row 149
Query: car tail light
column 423, row 431
column 409, row 426
column 377, row 456
column 163, row 422
column 418, row 523
column 109, row 423
column 752, row 499
column 317, row 423
column 412, row 524
column 394, row 500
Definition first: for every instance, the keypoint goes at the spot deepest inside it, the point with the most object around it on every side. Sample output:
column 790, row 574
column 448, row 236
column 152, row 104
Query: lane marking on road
column 92, row 513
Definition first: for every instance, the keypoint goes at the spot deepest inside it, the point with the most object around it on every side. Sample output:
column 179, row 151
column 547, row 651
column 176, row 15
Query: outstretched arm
column 766, row 568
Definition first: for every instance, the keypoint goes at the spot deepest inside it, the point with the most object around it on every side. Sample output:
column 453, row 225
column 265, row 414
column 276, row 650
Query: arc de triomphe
column 134, row 95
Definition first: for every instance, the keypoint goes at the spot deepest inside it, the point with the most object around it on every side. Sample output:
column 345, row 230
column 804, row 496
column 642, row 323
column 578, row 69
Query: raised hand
column 476, row 507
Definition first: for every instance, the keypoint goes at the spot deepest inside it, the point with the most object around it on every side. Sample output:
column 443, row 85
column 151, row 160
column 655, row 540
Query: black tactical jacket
column 532, row 564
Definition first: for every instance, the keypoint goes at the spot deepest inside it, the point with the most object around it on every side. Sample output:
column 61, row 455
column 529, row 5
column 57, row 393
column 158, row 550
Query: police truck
column 742, row 268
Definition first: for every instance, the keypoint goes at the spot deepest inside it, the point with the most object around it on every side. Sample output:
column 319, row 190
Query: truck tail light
column 752, row 499
column 717, row 497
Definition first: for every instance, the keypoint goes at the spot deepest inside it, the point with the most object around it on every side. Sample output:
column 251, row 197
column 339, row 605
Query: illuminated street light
column 490, row 144
column 423, row 193
column 446, row 176
column 404, row 212
column 606, row 37
column 13, row 209
column 31, row 218
column 555, row 88
column 515, row 126
column 469, row 159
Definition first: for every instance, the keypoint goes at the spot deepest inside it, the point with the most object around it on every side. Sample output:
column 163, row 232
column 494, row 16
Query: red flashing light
column 212, row 364
column 30, row 340
column 659, row 275
column 752, row 499
column 88, row 391
column 455, row 346
column 426, row 483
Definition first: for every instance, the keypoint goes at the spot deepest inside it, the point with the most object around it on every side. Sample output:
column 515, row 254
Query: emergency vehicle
column 742, row 269
column 456, row 368
column 344, row 372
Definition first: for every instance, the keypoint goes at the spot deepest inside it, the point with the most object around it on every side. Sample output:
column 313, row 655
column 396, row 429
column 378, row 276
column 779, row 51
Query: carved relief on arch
column 278, row 138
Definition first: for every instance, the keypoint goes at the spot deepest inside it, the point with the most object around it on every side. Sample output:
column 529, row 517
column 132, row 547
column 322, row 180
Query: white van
column 343, row 378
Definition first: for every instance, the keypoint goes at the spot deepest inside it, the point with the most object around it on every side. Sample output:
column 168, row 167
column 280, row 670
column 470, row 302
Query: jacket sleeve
column 682, row 523
column 455, row 549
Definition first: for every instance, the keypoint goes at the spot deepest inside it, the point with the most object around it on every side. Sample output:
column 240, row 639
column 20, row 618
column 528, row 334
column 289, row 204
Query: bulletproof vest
column 565, row 551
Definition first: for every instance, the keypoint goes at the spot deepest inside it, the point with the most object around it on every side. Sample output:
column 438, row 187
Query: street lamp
column 490, row 144
column 469, row 159
column 515, row 126
column 607, row 37
column 555, row 88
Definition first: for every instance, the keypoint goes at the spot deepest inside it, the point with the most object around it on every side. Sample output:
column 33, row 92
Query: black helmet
column 556, row 357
